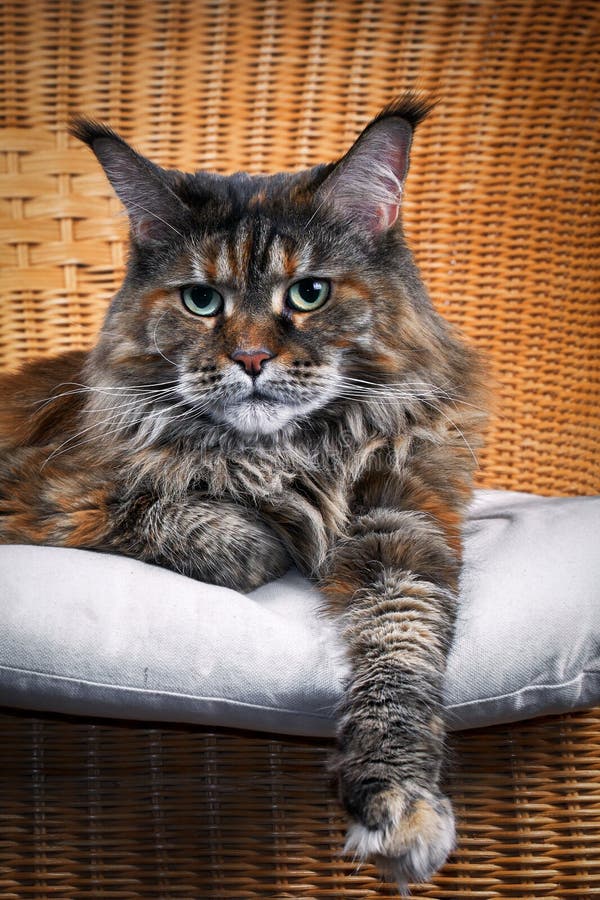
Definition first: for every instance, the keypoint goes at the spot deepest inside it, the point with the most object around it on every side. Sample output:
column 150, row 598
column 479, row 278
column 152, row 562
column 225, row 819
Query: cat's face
column 260, row 300
column 257, row 324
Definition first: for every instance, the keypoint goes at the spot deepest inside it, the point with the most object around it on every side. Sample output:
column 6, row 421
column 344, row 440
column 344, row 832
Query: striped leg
column 215, row 541
column 393, row 582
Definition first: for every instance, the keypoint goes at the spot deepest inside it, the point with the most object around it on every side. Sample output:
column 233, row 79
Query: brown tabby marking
column 334, row 431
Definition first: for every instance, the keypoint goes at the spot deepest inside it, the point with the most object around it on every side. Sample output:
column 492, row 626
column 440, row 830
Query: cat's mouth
column 260, row 395
column 257, row 413
column 258, row 406
column 260, row 411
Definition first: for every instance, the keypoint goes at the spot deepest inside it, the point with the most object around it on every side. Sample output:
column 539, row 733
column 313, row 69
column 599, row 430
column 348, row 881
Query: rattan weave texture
column 502, row 211
column 125, row 811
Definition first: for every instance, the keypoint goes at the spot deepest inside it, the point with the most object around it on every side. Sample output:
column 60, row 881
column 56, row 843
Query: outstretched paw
column 409, row 834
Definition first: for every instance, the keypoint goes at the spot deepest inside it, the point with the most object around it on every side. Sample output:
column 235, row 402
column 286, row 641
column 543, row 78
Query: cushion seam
column 163, row 693
column 528, row 687
column 229, row 700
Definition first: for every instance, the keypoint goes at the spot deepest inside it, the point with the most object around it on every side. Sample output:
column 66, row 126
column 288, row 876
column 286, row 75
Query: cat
column 273, row 387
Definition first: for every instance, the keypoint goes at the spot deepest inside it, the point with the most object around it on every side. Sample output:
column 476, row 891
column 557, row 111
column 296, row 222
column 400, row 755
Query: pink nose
column 252, row 360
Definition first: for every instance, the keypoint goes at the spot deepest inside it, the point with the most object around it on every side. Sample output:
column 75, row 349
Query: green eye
column 202, row 300
column 308, row 294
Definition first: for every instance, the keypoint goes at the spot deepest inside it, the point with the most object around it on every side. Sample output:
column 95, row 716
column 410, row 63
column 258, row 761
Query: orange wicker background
column 502, row 206
column 116, row 810
column 502, row 211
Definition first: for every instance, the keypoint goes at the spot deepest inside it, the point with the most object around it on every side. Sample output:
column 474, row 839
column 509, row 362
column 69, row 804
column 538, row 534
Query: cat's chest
column 301, row 482
column 299, row 490
column 301, row 500
column 251, row 475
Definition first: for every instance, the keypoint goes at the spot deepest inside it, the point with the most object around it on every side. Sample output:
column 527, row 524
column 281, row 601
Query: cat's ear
column 366, row 185
column 155, row 210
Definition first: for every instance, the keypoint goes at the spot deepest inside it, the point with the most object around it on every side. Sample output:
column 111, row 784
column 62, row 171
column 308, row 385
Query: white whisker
column 58, row 451
column 115, row 391
column 360, row 390
column 455, row 426
column 137, row 402
column 197, row 409
column 436, row 390
column 154, row 216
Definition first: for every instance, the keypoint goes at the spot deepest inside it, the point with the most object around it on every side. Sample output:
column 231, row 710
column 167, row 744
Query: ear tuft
column 411, row 106
column 88, row 130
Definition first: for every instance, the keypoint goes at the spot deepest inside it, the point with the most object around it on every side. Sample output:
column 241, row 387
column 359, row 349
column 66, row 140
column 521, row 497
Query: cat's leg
column 392, row 582
column 216, row 541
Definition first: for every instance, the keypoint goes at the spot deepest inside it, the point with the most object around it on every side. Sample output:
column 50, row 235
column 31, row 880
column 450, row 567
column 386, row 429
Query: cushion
column 97, row 634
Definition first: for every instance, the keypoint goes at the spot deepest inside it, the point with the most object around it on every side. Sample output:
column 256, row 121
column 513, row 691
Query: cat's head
column 262, row 299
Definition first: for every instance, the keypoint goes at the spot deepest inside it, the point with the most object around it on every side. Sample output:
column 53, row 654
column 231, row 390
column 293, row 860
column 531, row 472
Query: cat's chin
column 256, row 417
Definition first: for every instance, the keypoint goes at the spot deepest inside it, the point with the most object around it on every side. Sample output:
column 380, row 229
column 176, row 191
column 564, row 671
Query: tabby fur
column 349, row 455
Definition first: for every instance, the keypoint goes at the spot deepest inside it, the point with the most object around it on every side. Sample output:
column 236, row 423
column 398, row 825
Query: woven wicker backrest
column 502, row 202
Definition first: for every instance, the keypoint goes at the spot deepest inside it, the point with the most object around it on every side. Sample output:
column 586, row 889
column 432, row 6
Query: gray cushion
column 95, row 634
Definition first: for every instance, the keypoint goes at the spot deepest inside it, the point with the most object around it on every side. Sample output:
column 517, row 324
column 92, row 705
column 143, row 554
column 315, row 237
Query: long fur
column 351, row 454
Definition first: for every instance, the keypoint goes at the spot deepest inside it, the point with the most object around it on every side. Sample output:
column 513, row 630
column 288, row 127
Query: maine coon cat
column 272, row 386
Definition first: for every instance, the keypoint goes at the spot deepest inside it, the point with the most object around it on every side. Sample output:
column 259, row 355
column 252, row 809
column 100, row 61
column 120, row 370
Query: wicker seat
column 502, row 212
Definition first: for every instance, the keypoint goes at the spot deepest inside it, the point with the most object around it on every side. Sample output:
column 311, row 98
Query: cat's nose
column 252, row 360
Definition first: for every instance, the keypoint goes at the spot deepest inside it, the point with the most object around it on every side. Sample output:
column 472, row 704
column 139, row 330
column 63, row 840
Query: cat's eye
column 308, row 294
column 202, row 300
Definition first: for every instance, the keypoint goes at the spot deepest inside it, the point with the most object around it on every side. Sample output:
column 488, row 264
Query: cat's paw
column 407, row 831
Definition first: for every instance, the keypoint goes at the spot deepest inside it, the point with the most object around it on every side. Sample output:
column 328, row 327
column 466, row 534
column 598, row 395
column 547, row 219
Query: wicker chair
column 502, row 212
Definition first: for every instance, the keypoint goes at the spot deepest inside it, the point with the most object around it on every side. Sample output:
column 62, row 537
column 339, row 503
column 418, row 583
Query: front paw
column 406, row 830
